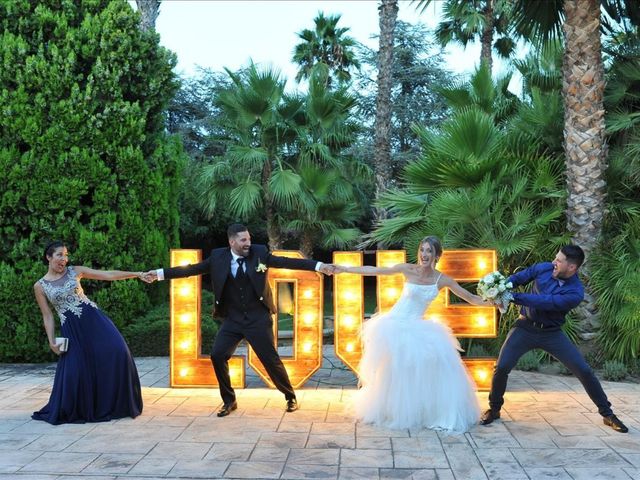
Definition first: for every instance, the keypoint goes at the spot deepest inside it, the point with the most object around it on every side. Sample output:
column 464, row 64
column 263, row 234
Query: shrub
column 529, row 362
column 614, row 370
column 149, row 336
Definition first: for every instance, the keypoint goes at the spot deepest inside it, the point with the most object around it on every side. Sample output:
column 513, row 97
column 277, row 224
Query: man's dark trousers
column 523, row 338
column 247, row 318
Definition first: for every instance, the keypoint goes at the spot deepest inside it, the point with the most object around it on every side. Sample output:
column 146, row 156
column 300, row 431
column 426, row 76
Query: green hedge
column 149, row 336
column 84, row 157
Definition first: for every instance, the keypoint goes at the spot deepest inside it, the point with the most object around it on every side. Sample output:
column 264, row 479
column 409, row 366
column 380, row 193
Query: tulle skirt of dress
column 412, row 376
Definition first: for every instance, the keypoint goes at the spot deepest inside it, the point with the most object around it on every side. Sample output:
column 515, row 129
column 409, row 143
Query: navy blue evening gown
column 96, row 380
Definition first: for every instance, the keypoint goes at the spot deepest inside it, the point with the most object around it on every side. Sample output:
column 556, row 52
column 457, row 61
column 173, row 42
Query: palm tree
column 577, row 22
column 326, row 44
column 470, row 20
column 382, row 153
column 252, row 177
column 149, row 11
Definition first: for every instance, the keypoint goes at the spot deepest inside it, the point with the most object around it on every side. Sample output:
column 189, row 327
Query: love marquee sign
column 189, row 368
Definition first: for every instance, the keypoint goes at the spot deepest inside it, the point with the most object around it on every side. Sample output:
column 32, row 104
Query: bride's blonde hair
column 436, row 247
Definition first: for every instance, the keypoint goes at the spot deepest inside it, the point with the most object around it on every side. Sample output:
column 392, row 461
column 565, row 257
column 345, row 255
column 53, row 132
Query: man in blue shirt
column 556, row 290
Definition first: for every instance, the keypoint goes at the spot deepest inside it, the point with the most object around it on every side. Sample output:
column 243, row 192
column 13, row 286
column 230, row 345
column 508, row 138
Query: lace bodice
column 413, row 301
column 66, row 294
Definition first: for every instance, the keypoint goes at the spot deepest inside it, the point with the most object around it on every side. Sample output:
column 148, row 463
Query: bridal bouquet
column 494, row 287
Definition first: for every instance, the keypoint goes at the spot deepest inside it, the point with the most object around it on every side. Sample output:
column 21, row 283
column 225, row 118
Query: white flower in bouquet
column 495, row 288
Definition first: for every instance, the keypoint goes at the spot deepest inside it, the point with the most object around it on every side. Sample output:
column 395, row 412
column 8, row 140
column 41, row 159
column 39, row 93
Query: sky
column 225, row 33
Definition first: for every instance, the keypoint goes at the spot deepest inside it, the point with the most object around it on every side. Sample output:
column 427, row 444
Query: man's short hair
column 574, row 254
column 235, row 229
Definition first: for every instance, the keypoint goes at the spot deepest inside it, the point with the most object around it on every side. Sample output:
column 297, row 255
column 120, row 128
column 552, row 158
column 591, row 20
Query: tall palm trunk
column 584, row 132
column 486, row 40
column 149, row 11
column 382, row 155
column 307, row 241
column 273, row 229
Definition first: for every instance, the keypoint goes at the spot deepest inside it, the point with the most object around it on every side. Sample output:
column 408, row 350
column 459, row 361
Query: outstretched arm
column 399, row 268
column 109, row 275
column 447, row 281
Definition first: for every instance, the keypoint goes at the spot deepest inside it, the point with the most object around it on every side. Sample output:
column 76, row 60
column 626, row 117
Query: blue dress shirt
column 550, row 298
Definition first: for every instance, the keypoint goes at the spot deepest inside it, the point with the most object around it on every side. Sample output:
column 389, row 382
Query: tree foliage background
column 84, row 156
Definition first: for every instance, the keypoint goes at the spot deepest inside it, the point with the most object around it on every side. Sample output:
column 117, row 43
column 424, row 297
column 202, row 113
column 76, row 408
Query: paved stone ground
column 550, row 430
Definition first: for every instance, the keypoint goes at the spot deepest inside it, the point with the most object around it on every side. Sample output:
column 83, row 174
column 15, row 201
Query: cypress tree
column 84, row 156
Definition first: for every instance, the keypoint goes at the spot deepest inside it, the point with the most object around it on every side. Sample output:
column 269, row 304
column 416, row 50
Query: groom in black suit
column 245, row 302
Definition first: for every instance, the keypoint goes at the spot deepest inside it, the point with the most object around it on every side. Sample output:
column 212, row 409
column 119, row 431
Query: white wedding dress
column 411, row 373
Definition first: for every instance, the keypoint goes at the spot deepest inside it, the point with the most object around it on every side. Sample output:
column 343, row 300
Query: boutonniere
column 261, row 268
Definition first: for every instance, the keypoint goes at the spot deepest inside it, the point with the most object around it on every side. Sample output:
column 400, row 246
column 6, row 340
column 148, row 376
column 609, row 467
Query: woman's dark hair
column 574, row 254
column 436, row 246
column 49, row 249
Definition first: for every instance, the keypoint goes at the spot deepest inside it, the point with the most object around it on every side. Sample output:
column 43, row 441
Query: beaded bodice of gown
column 66, row 294
column 413, row 301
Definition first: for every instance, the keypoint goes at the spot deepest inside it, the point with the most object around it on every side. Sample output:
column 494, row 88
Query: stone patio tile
column 269, row 454
column 382, row 443
column 13, row 461
column 570, row 430
column 278, row 440
column 331, row 441
column 254, row 470
column 597, row 473
column 632, row 458
column 488, row 439
column 153, row 466
column 504, row 471
column 170, row 421
column 328, row 472
column 416, row 444
column 363, row 430
column 179, row 450
column 463, row 462
column 547, row 473
column 60, row 462
column 415, row 474
column 230, row 452
column 198, row 468
column 52, row 443
column 583, row 442
column 634, row 473
column 623, row 443
column 112, row 443
column 333, row 428
column 37, row 476
column 548, row 458
column 16, row 441
column 366, row 458
column 420, row 459
column 294, row 427
column 358, row 473
column 112, row 463
column 314, row 456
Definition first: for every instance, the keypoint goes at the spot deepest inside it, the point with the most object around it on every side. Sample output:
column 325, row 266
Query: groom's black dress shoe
column 615, row 423
column 292, row 405
column 488, row 417
column 227, row 409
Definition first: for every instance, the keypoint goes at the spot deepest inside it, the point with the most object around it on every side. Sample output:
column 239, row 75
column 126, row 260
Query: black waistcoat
column 240, row 299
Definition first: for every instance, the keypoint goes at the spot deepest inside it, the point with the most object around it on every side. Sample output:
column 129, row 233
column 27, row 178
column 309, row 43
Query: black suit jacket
column 218, row 265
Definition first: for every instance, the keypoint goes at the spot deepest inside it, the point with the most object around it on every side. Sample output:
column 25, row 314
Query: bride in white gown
column 411, row 373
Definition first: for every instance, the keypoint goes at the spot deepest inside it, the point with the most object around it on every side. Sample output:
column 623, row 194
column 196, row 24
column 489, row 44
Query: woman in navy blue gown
column 96, row 379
